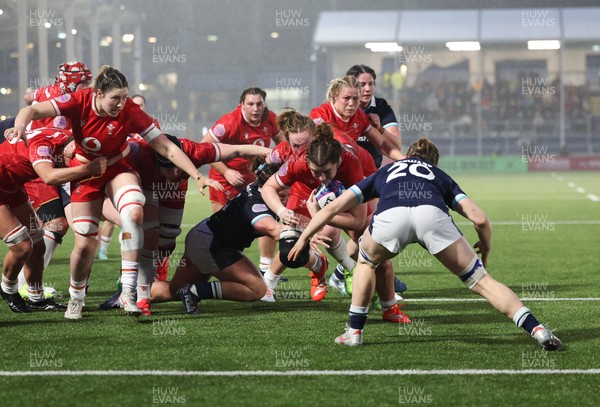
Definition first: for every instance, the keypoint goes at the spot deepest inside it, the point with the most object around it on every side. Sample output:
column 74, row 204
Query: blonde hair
column 333, row 90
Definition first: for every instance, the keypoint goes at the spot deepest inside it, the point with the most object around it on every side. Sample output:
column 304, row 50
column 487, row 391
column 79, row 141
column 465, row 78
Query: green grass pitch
column 546, row 246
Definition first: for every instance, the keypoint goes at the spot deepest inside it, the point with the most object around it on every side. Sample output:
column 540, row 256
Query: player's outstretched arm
column 57, row 176
column 229, row 151
column 469, row 209
column 171, row 152
column 25, row 116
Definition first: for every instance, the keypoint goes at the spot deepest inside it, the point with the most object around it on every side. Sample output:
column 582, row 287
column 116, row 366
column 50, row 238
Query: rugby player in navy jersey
column 403, row 217
column 214, row 248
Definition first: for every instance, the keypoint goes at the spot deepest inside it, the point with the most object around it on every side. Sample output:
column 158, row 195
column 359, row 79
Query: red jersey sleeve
column 201, row 153
column 69, row 105
column 41, row 149
column 280, row 153
column 140, row 122
column 226, row 127
column 288, row 173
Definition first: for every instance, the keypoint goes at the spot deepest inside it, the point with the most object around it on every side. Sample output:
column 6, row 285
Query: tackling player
column 424, row 219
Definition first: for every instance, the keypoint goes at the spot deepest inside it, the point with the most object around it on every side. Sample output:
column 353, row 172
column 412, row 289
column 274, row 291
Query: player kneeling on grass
column 401, row 219
column 214, row 248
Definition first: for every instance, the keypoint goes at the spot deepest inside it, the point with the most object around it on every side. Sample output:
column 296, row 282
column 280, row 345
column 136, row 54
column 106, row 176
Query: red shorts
column 14, row 198
column 40, row 193
column 92, row 189
column 229, row 192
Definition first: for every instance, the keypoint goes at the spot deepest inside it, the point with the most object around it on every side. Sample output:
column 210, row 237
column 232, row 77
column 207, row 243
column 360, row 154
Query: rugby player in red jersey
column 102, row 118
column 250, row 123
column 48, row 201
column 19, row 163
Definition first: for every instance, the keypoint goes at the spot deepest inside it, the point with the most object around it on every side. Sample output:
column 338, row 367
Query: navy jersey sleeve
column 369, row 187
column 385, row 113
column 255, row 208
column 451, row 191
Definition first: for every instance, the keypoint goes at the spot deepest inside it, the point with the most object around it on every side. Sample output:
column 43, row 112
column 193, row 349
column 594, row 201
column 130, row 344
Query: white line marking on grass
column 593, row 197
column 571, row 184
column 496, row 223
column 483, row 299
column 407, row 372
column 556, row 222
column 580, row 190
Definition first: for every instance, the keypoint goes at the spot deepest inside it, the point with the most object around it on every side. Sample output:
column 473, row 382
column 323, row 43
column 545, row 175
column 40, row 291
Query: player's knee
column 258, row 290
column 287, row 240
column 168, row 234
column 19, row 241
column 473, row 273
column 127, row 197
column 86, row 226
column 364, row 258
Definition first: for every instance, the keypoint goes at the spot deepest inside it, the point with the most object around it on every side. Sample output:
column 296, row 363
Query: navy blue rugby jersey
column 381, row 108
column 409, row 182
column 233, row 225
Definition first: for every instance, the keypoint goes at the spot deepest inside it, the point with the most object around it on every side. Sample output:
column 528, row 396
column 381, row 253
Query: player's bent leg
column 186, row 273
column 460, row 258
column 241, row 281
column 17, row 238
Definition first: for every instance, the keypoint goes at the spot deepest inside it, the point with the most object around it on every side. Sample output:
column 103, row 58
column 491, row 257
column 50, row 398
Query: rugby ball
column 325, row 194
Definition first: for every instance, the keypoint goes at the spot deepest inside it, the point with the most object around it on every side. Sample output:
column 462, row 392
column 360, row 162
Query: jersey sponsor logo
column 219, row 130
column 275, row 157
column 91, row 144
column 63, row 98
column 60, row 122
column 283, row 169
column 43, row 151
column 258, row 208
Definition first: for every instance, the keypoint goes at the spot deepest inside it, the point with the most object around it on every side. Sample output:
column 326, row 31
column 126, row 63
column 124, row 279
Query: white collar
column 337, row 114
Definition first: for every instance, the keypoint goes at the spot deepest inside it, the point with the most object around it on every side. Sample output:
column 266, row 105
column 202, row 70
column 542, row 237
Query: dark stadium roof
column 440, row 26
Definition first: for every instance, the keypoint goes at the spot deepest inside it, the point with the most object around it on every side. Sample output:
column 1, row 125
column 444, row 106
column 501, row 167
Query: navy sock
column 339, row 273
column 358, row 317
column 525, row 319
column 207, row 291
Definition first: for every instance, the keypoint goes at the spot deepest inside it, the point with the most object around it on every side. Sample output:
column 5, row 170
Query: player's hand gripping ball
column 325, row 194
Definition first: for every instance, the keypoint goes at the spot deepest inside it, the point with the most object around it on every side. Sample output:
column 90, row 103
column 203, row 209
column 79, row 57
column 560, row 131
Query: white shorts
column 428, row 225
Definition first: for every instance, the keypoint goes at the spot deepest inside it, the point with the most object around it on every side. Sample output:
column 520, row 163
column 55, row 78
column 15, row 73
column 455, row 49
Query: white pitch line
column 483, row 299
column 498, row 223
column 406, row 372
column 593, row 197
column 580, row 190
